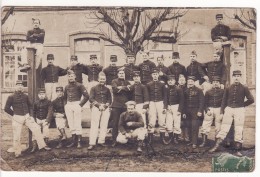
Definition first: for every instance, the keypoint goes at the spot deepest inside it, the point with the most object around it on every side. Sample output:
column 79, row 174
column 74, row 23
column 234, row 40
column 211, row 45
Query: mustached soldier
column 146, row 68
column 130, row 67
column 100, row 98
column 78, row 68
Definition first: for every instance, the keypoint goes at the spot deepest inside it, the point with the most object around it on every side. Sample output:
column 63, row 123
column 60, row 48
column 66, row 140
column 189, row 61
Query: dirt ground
column 123, row 158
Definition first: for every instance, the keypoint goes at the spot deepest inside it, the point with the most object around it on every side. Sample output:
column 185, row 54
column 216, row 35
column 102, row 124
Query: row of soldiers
column 160, row 93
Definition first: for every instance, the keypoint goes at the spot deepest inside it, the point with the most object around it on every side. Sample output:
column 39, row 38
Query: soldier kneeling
column 131, row 125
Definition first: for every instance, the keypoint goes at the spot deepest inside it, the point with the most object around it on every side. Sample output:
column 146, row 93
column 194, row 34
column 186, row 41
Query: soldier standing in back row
column 163, row 70
column 93, row 70
column 77, row 68
column 194, row 104
column 146, row 68
column 111, row 71
column 221, row 32
column 73, row 106
column 176, row 68
column 233, row 107
column 130, row 67
column 50, row 77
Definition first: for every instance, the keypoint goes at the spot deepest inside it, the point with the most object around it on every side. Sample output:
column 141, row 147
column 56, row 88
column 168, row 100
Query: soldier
column 213, row 99
column 111, row 71
column 163, row 70
column 60, row 116
column 131, row 125
column 176, row 68
column 146, row 68
column 73, row 106
column 100, row 99
column 221, row 32
column 184, row 127
column 93, row 70
column 130, row 67
column 18, row 106
column 121, row 94
column 194, row 104
column 195, row 69
column 77, row 68
column 215, row 68
column 50, row 77
column 157, row 98
column 42, row 113
column 140, row 95
column 174, row 105
column 233, row 107
column 36, row 35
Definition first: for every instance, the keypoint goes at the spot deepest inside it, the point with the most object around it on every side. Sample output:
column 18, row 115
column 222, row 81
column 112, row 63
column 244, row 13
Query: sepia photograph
column 128, row 89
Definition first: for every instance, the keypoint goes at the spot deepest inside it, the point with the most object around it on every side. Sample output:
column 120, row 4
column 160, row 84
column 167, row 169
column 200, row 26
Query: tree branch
column 8, row 13
column 137, row 23
column 244, row 23
column 112, row 41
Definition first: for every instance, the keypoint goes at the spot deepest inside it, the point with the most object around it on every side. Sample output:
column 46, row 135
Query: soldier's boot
column 175, row 139
column 162, row 137
column 73, row 142
column 139, row 146
column 238, row 147
column 34, row 146
column 63, row 134
column 181, row 137
column 150, row 138
column 186, row 135
column 204, row 140
column 79, row 145
column 169, row 139
column 216, row 146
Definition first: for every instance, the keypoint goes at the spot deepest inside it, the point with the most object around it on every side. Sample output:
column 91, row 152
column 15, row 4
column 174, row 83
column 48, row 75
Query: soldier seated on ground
column 131, row 125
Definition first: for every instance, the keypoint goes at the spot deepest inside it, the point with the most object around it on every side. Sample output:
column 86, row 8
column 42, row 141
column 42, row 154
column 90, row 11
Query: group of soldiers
column 132, row 100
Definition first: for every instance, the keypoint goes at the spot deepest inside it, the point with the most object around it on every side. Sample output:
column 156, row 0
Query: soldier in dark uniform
column 140, row 95
column 146, row 68
column 195, row 69
column 59, row 115
column 36, row 35
column 163, row 70
column 42, row 113
column 130, row 67
column 157, row 96
column 111, row 71
column 215, row 68
column 50, row 77
column 194, row 104
column 174, row 105
column 233, row 109
column 176, row 68
column 121, row 94
column 131, row 125
column 213, row 99
column 221, row 32
column 93, row 70
column 18, row 106
column 73, row 107
column 77, row 68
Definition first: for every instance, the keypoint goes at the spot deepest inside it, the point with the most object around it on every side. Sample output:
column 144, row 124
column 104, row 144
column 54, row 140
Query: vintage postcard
column 128, row 89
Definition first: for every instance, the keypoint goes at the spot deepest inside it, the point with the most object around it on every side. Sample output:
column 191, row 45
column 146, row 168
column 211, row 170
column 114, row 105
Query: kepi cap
column 219, row 16
column 73, row 57
column 237, row 72
column 113, row 58
column 50, row 57
column 170, row 77
column 136, row 73
column 191, row 78
column 175, row 55
column 59, row 89
column 130, row 103
column 193, row 53
column 69, row 72
column 155, row 70
column 41, row 90
column 215, row 78
column 93, row 56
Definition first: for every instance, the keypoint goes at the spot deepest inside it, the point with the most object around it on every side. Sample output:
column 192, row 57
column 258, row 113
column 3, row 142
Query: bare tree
column 7, row 14
column 247, row 17
column 128, row 28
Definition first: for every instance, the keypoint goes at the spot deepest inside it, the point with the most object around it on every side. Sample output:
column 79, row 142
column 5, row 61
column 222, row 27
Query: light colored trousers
column 17, row 124
column 38, row 55
column 60, row 122
column 50, row 89
column 236, row 114
column 156, row 108
column 138, row 133
column 98, row 119
column 139, row 109
column 173, row 120
column 206, row 125
column 43, row 127
column 73, row 113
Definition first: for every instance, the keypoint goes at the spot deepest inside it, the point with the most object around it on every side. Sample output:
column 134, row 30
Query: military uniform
column 93, row 71
column 100, row 97
column 72, row 96
column 36, row 35
column 146, row 71
column 176, row 68
column 129, row 71
column 120, row 97
column 20, row 104
column 79, row 69
column 165, row 72
column 50, row 77
column 194, row 103
column 216, row 68
column 59, row 111
column 195, row 69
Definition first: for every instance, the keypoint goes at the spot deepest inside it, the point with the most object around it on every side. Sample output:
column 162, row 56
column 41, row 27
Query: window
column 13, row 51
